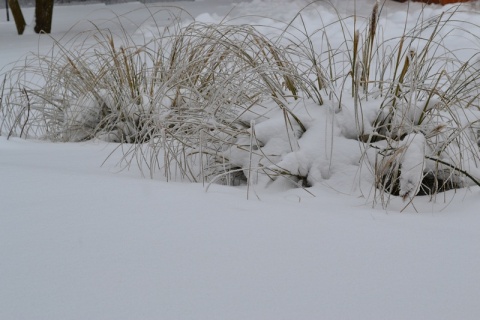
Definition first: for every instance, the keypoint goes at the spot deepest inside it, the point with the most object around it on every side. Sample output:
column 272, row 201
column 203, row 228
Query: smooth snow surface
column 82, row 239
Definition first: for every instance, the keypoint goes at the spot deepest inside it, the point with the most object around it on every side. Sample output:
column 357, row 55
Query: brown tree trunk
column 17, row 15
column 43, row 16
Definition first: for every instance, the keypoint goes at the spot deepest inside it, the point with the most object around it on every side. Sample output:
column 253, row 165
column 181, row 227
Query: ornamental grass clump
column 227, row 103
column 426, row 131
column 190, row 92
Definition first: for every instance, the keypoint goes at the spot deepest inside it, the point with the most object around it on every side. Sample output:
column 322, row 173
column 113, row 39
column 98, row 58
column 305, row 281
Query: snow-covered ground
column 82, row 239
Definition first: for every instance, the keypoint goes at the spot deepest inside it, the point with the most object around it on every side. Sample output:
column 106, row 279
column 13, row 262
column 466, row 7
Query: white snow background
column 83, row 239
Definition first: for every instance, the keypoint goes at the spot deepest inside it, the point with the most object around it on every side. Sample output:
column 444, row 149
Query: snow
column 82, row 238
column 412, row 164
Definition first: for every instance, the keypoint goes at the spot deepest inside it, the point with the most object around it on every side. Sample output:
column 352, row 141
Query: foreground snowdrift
column 83, row 241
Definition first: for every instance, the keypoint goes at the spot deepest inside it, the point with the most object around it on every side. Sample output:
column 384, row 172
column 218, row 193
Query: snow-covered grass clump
column 241, row 104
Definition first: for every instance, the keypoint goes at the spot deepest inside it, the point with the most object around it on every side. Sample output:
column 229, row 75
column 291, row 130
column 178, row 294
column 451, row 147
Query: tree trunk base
column 17, row 15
